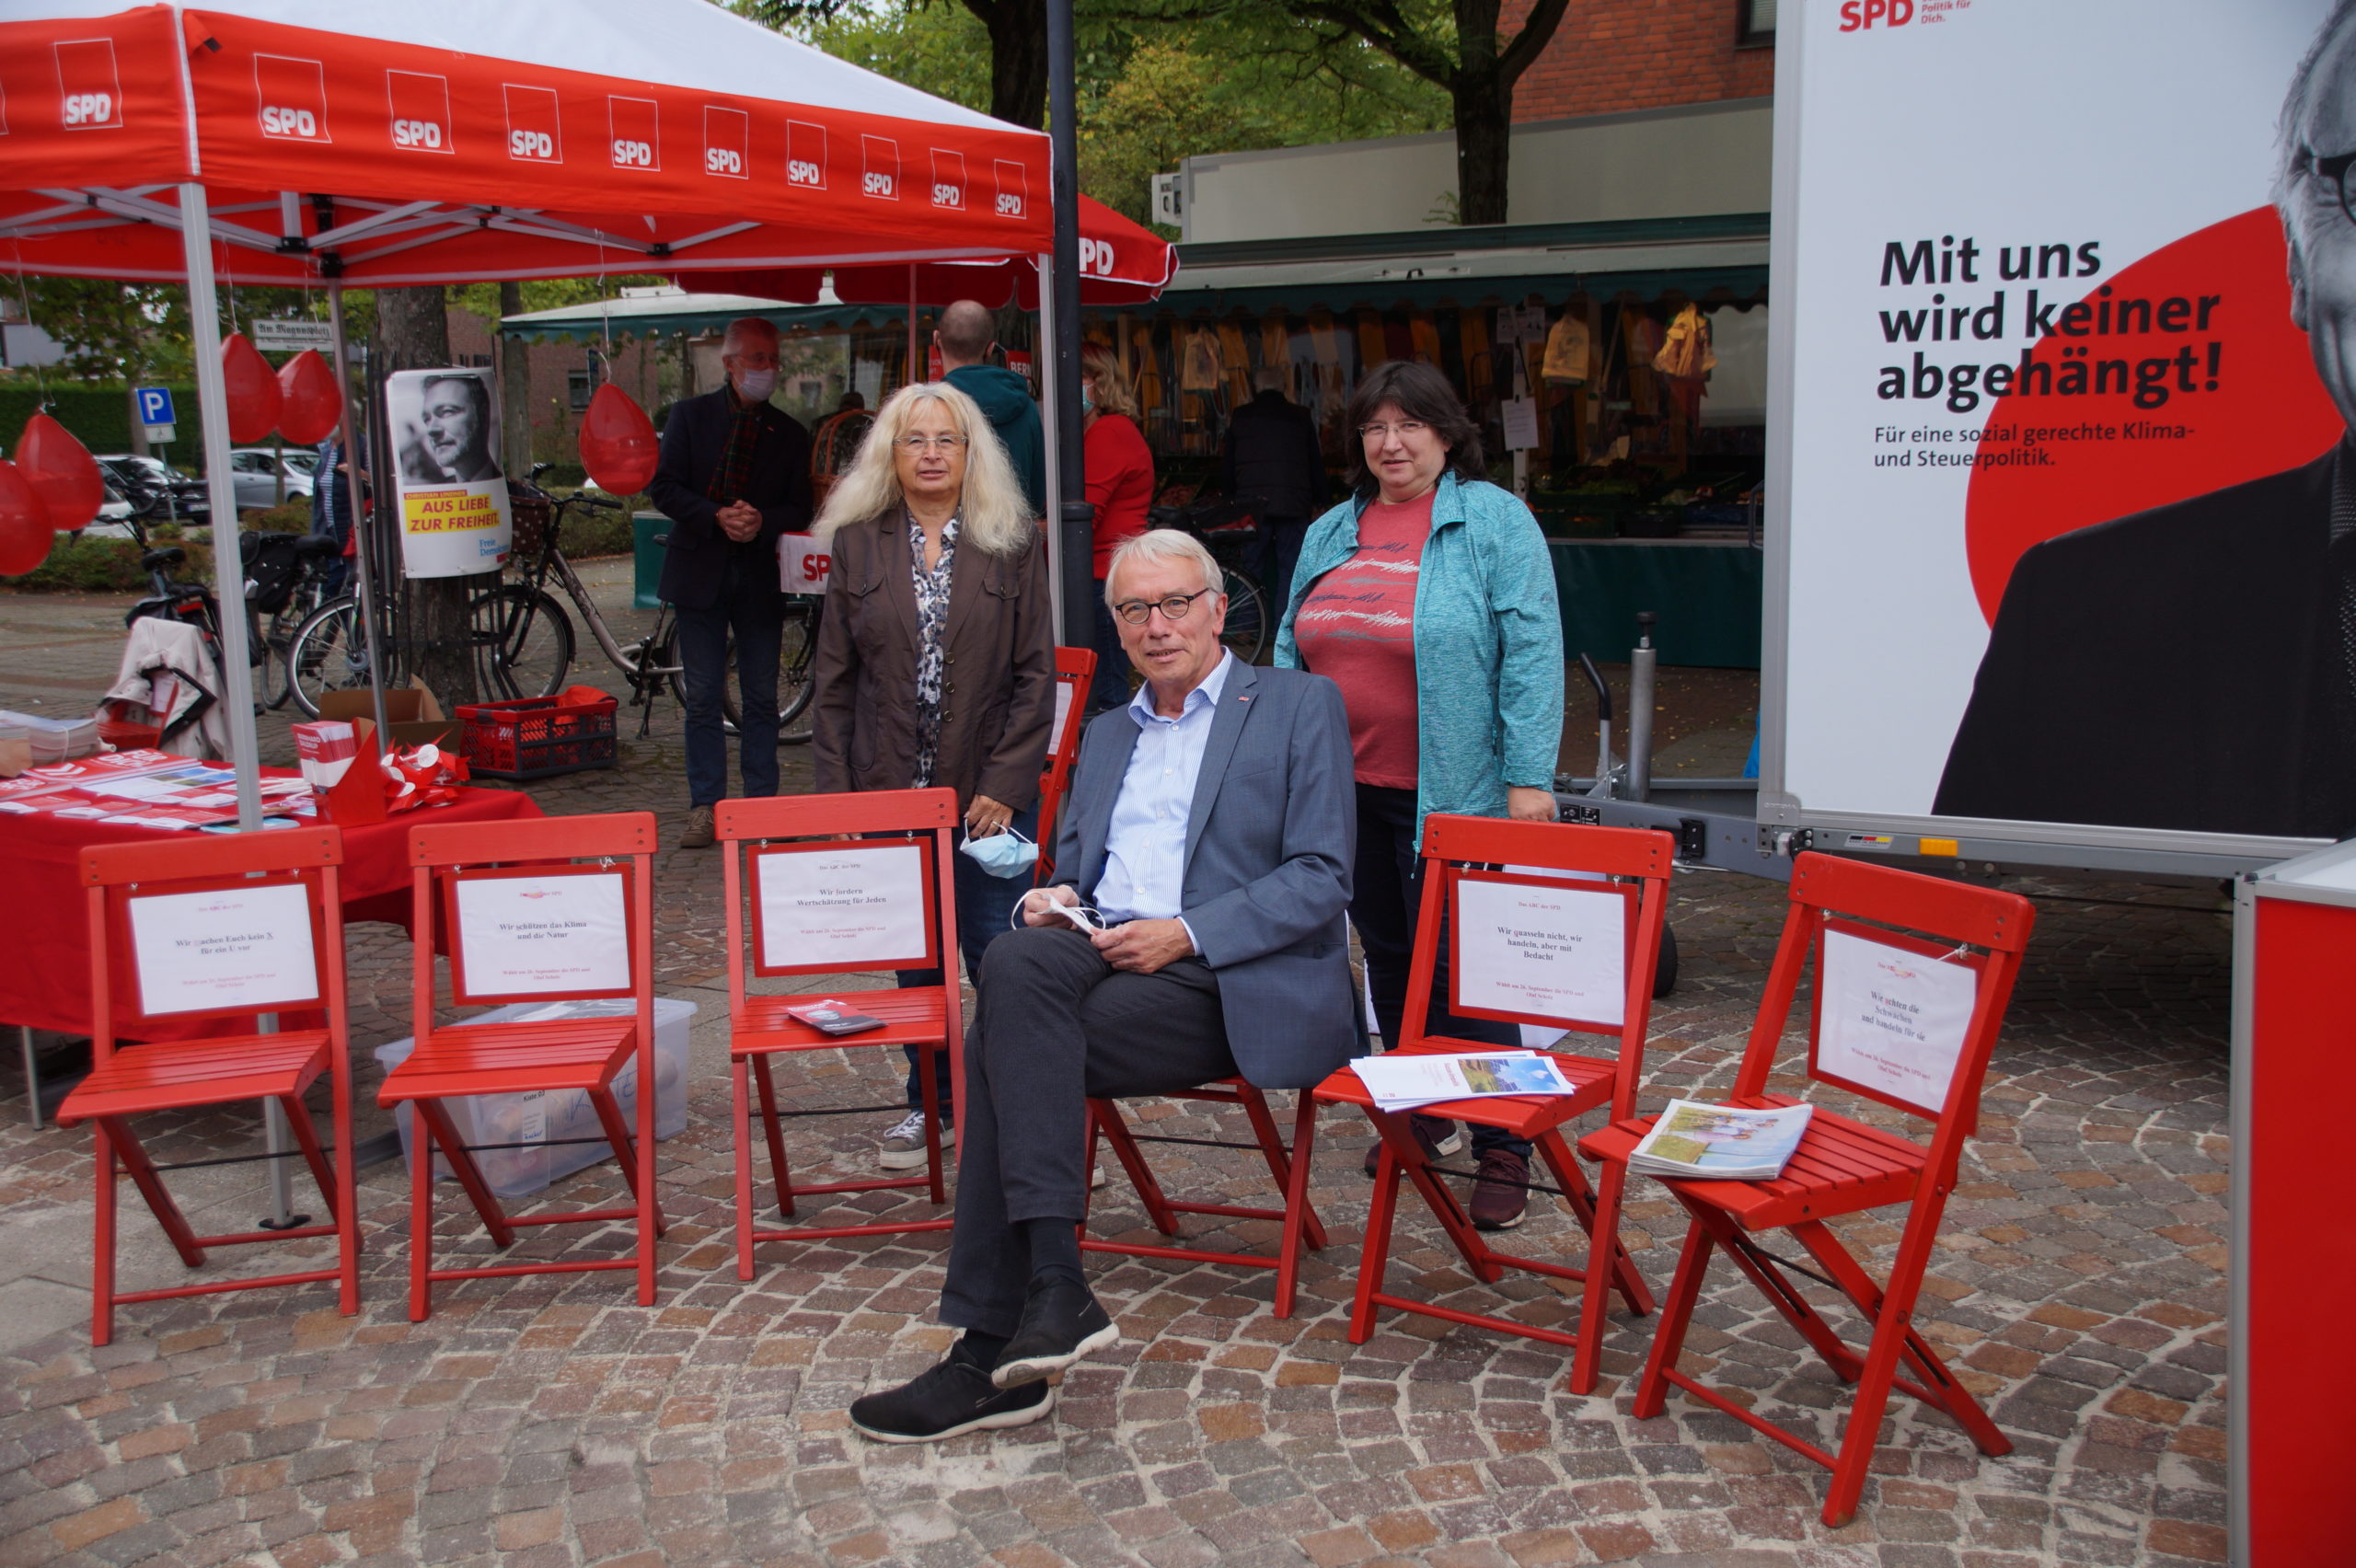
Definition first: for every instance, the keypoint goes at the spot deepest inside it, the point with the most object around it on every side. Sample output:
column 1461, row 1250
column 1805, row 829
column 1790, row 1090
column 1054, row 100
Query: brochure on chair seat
column 1401, row 1082
column 1719, row 1142
column 831, row 1016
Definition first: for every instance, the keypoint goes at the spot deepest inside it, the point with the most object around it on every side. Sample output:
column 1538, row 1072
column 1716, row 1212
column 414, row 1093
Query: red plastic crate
column 534, row 737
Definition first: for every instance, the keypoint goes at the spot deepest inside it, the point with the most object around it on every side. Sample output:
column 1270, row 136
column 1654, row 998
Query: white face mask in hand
column 1004, row 854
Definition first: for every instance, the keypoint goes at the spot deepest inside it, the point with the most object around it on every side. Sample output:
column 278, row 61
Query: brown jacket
column 997, row 697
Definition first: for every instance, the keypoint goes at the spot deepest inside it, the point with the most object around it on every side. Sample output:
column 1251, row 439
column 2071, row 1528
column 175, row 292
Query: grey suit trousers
column 1058, row 1025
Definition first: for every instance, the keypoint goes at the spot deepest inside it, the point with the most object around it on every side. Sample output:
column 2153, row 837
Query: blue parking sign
column 155, row 406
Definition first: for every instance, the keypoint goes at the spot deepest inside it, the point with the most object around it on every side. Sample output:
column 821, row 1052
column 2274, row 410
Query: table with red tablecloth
column 44, row 941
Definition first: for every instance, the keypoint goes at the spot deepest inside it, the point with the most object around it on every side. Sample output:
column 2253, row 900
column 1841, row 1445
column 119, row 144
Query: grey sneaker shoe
column 697, row 834
column 903, row 1147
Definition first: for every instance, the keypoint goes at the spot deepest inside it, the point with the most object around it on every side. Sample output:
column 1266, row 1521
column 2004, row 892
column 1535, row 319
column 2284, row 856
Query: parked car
column 140, row 481
column 256, row 470
column 113, row 520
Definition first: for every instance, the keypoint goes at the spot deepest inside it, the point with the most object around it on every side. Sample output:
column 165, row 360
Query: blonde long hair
column 995, row 517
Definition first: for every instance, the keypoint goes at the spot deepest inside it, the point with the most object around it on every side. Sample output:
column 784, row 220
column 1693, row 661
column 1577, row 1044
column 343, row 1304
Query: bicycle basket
column 272, row 568
column 533, row 517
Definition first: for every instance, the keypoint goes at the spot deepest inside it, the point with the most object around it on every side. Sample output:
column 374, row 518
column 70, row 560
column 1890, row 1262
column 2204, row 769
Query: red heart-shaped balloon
column 310, row 400
column 25, row 533
column 252, row 388
column 617, row 444
column 62, row 471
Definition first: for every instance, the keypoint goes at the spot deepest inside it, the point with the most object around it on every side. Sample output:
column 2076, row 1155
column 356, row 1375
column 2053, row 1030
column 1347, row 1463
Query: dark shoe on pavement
column 952, row 1398
column 1438, row 1137
column 1499, row 1196
column 697, row 834
column 1061, row 1322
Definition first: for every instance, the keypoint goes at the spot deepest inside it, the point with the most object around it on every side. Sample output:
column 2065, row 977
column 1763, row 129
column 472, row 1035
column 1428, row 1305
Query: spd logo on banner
column 805, row 154
column 802, row 564
column 634, row 124
column 948, row 179
column 90, row 95
column 879, row 167
column 533, row 132
column 290, row 96
column 727, row 143
column 421, row 106
column 1013, row 188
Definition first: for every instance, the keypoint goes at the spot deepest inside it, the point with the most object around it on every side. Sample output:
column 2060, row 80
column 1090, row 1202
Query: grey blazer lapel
column 1095, row 810
column 1227, row 727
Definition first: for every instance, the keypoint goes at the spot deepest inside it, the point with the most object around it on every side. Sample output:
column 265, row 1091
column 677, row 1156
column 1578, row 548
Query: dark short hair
column 1422, row 393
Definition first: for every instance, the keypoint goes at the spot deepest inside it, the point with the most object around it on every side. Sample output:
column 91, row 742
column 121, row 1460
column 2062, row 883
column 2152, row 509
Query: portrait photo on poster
column 455, row 517
column 2067, row 406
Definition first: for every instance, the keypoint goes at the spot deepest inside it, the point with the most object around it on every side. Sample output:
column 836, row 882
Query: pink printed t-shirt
column 1358, row 626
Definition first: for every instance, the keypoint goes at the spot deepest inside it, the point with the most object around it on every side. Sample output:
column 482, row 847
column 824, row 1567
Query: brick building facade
column 1647, row 54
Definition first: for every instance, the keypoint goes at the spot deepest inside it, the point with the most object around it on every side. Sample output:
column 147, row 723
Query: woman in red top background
column 1120, row 486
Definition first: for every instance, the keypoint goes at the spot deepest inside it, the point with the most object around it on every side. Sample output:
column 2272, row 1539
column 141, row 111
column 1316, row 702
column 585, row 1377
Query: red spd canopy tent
column 384, row 143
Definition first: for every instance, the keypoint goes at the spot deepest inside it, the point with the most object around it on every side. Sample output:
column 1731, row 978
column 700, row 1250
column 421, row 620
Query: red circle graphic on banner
column 2267, row 411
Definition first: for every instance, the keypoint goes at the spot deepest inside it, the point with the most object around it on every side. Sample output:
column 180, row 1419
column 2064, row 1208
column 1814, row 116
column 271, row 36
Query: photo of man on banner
column 455, row 517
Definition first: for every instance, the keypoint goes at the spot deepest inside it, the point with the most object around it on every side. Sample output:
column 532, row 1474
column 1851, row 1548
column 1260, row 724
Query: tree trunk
column 415, row 326
column 514, row 388
column 138, row 431
column 1483, row 143
column 1017, row 31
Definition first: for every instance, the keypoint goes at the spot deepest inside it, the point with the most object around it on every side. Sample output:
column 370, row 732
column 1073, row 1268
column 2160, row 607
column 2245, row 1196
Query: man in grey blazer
column 1210, row 827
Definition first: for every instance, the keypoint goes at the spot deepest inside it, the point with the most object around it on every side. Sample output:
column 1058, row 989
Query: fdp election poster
column 454, row 496
column 2070, row 291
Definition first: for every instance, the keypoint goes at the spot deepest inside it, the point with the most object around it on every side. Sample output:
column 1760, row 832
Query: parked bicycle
column 1230, row 531
column 284, row 575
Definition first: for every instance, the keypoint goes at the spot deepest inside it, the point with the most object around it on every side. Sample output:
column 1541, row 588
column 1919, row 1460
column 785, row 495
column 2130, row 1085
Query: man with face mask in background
column 735, row 474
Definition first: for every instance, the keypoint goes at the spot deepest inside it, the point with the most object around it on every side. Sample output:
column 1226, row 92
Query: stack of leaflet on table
column 1719, row 1142
column 1402, row 1082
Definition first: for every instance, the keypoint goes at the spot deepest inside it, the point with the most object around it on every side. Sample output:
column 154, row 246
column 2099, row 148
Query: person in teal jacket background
column 1430, row 597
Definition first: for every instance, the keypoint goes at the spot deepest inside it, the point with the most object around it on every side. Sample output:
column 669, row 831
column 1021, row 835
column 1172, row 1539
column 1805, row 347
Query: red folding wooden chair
column 230, row 927
column 1075, row 668
column 803, row 920
column 1288, row 1168
column 1947, row 1004
column 546, row 910
column 1596, row 978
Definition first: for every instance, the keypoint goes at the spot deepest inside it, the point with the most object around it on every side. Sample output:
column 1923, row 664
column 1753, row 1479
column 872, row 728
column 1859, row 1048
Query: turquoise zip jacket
column 1488, row 645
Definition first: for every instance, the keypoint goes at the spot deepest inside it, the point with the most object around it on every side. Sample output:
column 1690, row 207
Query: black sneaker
column 1499, row 1191
column 1061, row 1322
column 952, row 1398
column 1438, row 1137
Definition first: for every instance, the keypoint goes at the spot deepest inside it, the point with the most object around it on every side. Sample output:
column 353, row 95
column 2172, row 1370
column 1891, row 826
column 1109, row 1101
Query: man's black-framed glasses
column 2333, row 172
column 1174, row 610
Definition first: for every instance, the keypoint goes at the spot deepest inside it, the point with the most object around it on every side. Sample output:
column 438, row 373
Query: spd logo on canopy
column 90, row 95
column 948, row 179
column 421, row 106
column 1013, row 188
column 634, row 126
column 879, row 167
column 805, row 154
column 727, row 143
column 534, row 134
column 290, row 96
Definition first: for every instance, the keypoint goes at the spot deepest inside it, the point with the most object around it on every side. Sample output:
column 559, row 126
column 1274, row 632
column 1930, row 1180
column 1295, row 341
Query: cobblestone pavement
column 2078, row 1287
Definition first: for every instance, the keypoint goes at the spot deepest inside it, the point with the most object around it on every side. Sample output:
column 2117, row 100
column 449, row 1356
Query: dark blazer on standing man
column 998, row 697
column 1272, row 452
column 1270, row 839
column 693, row 437
column 2165, row 670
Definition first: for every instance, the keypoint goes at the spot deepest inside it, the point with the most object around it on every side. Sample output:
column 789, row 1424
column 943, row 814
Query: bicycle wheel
column 329, row 652
column 1249, row 629
column 796, row 676
column 278, row 638
column 523, row 641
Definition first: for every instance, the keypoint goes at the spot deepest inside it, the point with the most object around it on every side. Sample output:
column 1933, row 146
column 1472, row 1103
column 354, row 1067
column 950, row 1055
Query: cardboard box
column 411, row 715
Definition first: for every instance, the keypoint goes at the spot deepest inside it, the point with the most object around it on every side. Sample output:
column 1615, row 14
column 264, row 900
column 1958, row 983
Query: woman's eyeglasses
column 931, row 442
column 1405, row 430
column 1174, row 610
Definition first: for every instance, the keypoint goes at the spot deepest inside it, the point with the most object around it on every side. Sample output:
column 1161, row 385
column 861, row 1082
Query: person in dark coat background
column 2194, row 666
column 1271, row 457
column 735, row 474
column 965, row 337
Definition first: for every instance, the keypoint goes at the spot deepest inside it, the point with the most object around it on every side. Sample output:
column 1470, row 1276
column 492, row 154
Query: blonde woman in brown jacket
column 936, row 662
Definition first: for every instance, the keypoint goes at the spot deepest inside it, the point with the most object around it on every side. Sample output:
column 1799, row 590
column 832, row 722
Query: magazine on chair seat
column 1402, row 1082
column 1719, row 1142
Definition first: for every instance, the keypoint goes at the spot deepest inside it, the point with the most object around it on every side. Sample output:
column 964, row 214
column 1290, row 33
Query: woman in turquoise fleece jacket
column 1429, row 596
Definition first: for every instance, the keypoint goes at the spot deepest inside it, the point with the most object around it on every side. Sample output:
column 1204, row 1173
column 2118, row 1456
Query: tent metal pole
column 915, row 374
column 1043, row 353
column 228, row 563
column 365, row 561
column 1076, row 519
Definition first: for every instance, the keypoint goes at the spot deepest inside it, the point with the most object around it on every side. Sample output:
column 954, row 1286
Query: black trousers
column 1055, row 1026
column 1387, row 890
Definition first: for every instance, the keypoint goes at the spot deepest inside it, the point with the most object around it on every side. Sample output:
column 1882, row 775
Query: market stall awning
column 436, row 140
column 1500, row 264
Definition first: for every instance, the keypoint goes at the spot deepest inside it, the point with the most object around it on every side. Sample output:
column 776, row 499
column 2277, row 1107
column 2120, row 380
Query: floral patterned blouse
column 932, row 623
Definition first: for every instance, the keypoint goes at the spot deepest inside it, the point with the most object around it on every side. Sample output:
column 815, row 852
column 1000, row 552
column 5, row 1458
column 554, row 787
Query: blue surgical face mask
column 1004, row 854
